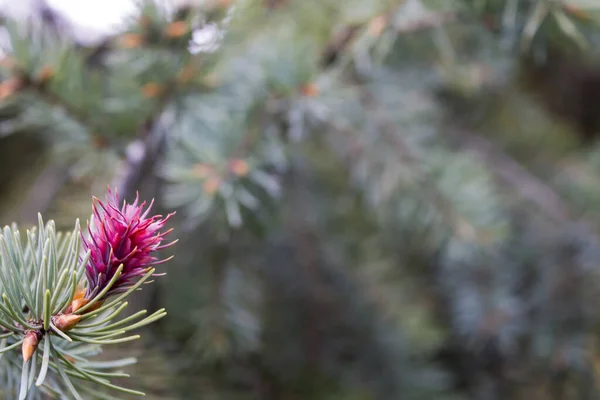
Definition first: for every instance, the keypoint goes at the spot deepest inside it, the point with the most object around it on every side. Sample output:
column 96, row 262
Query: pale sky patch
column 103, row 16
column 93, row 20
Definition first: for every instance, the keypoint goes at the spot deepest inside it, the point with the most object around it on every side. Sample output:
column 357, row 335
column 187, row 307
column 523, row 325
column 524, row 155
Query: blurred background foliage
column 377, row 199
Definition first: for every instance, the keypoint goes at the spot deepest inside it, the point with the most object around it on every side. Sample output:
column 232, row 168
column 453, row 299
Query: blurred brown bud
column 239, row 167
column 202, row 170
column 309, row 90
column 186, row 74
column 131, row 40
column 224, row 3
column 99, row 141
column 575, row 11
column 46, row 73
column 9, row 86
column 145, row 21
column 274, row 3
column 219, row 340
column 152, row 90
column 8, row 62
column 465, row 229
column 211, row 185
column 66, row 322
column 377, row 25
column 489, row 22
column 211, row 80
column 30, row 344
column 177, row 29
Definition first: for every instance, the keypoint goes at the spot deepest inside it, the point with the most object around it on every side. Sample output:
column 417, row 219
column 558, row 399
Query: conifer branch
column 33, row 277
column 513, row 174
column 389, row 131
column 55, row 100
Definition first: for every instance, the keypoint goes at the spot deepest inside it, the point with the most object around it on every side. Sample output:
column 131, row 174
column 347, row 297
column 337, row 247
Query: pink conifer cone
column 118, row 236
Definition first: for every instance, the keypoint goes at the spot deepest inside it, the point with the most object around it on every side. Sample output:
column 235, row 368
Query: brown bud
column 211, row 185
column 202, row 170
column 576, row 11
column 211, row 80
column 30, row 344
column 80, row 293
column 131, row 40
column 272, row 4
column 9, row 86
column 46, row 73
column 99, row 142
column 66, row 322
column 8, row 62
column 377, row 25
column 78, row 300
column 145, row 21
column 77, row 304
column 186, row 74
column 309, row 90
column 151, row 90
column 177, row 29
column 219, row 341
column 239, row 167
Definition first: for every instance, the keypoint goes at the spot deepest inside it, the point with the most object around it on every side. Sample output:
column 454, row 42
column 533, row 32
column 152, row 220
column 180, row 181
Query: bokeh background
column 376, row 199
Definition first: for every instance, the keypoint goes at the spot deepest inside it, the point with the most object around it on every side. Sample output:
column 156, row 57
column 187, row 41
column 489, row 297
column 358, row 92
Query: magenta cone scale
column 118, row 236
